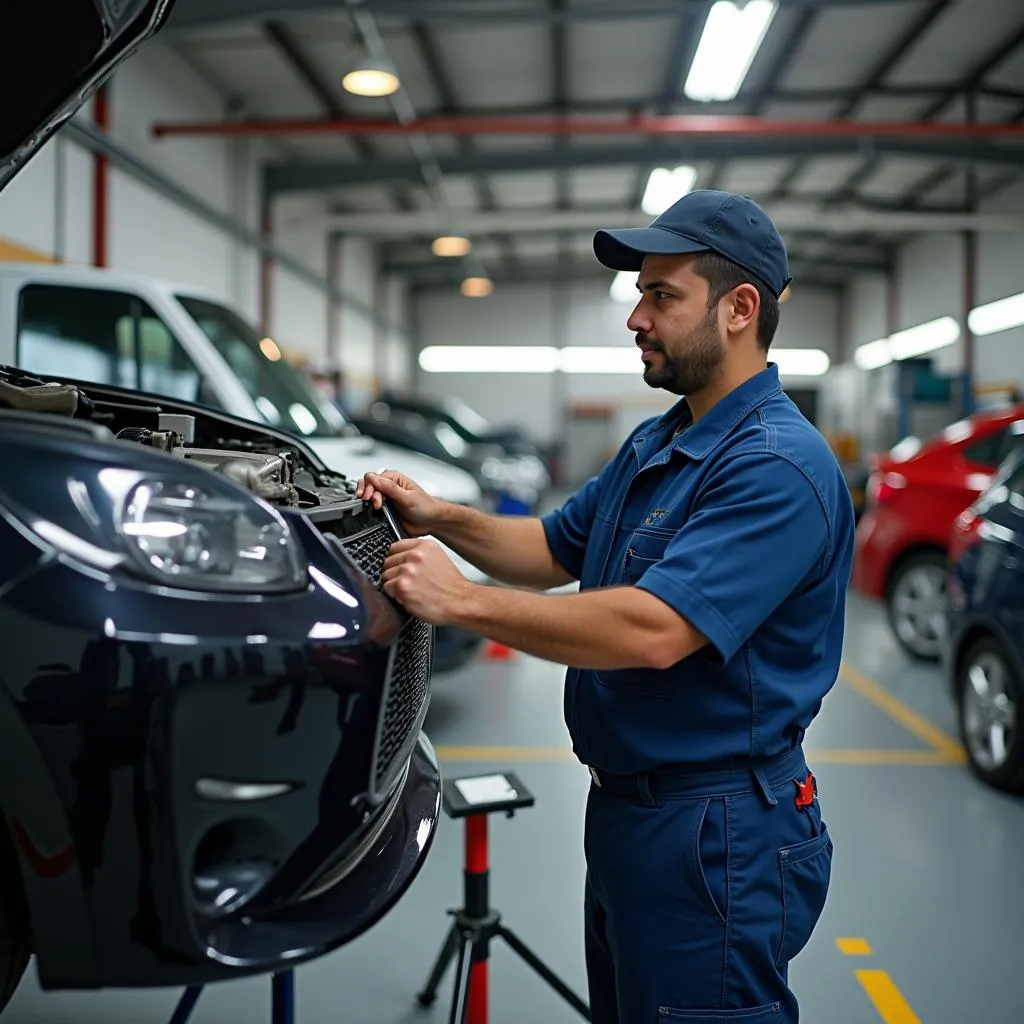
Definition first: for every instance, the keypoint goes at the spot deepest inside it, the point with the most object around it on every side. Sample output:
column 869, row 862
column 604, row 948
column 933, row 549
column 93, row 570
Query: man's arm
column 609, row 628
column 512, row 549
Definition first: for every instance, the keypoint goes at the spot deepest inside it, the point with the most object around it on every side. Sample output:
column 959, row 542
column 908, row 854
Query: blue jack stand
column 282, row 1004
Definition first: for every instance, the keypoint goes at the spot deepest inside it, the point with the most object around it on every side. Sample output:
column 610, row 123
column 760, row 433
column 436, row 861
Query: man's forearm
column 609, row 628
column 512, row 549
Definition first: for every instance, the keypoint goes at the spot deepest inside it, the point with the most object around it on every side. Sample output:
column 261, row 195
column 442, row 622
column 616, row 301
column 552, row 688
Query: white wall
column 581, row 314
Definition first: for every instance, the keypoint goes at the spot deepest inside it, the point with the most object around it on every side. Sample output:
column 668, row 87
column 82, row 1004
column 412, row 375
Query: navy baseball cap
column 704, row 220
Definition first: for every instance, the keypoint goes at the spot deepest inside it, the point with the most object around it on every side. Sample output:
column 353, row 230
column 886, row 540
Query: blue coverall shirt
column 744, row 525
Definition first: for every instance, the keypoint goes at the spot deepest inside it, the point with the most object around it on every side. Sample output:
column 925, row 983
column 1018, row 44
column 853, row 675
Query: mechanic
column 713, row 554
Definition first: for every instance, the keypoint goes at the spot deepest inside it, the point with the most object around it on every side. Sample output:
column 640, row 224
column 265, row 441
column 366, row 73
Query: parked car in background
column 985, row 650
column 510, row 482
column 914, row 494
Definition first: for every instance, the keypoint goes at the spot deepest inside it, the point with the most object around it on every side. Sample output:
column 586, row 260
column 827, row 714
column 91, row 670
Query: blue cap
column 704, row 220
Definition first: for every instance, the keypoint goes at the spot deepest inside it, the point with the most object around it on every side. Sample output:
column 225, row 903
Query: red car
column 914, row 495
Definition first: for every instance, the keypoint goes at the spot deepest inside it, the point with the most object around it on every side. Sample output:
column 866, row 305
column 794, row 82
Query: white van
column 147, row 334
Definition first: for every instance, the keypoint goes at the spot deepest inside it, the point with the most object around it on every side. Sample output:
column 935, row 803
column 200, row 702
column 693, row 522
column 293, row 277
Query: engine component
column 268, row 476
column 55, row 398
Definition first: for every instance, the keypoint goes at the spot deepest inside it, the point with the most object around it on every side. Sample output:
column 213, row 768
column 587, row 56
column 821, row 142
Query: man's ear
column 745, row 307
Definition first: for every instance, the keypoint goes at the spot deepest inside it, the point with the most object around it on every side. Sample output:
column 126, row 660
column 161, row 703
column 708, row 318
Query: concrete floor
column 927, row 868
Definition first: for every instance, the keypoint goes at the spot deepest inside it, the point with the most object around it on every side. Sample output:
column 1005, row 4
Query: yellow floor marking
column 854, row 947
column 825, row 756
column 899, row 712
column 888, row 1000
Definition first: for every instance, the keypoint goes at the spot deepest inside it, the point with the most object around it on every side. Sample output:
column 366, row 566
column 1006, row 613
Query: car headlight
column 185, row 528
column 202, row 540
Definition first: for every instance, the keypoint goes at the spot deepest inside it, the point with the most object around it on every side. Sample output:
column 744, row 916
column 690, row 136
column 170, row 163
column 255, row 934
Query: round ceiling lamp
column 477, row 287
column 451, row 245
column 372, row 78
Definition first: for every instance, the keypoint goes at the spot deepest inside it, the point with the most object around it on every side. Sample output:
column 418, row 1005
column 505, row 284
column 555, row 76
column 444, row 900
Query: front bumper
column 129, row 761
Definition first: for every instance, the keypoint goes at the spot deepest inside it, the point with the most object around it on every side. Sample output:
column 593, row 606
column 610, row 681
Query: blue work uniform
column 708, row 861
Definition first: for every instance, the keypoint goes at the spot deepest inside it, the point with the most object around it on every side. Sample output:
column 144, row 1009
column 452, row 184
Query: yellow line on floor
column 888, row 1000
column 899, row 712
column 854, row 947
column 561, row 754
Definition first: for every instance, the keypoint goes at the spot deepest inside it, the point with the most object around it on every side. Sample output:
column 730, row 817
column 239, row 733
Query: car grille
column 406, row 689
column 369, row 549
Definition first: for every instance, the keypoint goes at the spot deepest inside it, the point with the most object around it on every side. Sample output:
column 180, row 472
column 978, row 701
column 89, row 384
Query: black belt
column 715, row 779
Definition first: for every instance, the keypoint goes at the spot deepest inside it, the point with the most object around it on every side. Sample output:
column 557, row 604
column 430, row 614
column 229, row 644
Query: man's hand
column 422, row 578
column 416, row 509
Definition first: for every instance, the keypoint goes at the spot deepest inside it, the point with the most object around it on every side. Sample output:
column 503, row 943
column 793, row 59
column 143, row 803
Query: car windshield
column 282, row 395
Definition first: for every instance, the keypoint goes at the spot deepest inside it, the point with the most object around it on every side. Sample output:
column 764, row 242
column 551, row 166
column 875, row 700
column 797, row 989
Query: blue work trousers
column 700, row 890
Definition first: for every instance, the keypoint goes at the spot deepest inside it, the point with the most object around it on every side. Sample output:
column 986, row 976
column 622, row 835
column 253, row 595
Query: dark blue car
column 985, row 649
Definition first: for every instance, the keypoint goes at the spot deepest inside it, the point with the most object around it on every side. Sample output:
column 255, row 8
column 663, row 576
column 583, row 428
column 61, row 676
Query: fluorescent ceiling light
column 997, row 316
column 583, row 359
column 623, row 287
column 731, row 38
column 800, row 362
column 924, row 338
column 603, row 359
column 489, row 359
column 665, row 186
column 873, row 354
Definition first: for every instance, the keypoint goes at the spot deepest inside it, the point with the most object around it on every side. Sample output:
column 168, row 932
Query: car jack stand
column 282, row 1007
column 476, row 922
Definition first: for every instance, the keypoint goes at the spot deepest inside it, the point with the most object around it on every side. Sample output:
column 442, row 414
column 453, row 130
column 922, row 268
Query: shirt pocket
column 646, row 547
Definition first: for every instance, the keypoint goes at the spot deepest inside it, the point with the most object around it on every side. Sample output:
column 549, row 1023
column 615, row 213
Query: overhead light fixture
column 732, row 35
column 270, row 349
column 665, row 186
column 623, row 287
column 477, row 287
column 800, row 362
column 372, row 78
column 906, row 344
column 583, row 359
column 873, row 354
column 451, row 245
column 1000, row 315
column 489, row 359
column 924, row 338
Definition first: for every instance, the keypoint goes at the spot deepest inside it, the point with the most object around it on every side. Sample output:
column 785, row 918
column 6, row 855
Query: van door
column 105, row 336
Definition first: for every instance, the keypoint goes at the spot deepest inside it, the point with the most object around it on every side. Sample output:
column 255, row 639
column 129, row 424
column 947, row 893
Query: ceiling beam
column 300, row 177
column 787, row 218
column 192, row 14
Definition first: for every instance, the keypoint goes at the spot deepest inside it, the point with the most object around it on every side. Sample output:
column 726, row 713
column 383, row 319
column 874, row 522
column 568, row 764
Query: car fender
column 40, row 834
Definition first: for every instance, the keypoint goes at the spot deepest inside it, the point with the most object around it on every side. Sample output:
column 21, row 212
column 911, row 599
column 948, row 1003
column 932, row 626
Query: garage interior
column 400, row 197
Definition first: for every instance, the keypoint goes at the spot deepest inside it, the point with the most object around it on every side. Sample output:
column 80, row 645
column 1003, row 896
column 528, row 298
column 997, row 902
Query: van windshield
column 283, row 396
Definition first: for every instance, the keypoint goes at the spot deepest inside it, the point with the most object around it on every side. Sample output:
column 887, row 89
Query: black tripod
column 476, row 923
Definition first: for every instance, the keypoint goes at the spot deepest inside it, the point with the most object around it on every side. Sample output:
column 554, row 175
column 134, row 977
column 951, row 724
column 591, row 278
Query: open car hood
column 54, row 54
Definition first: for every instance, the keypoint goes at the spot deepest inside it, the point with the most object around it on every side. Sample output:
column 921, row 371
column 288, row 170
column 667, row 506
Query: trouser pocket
column 806, row 871
column 770, row 1013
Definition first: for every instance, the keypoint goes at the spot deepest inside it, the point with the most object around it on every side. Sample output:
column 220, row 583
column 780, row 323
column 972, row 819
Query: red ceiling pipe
column 711, row 125
column 101, row 182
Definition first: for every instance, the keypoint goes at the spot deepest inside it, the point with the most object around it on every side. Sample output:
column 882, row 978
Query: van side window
column 73, row 332
column 105, row 337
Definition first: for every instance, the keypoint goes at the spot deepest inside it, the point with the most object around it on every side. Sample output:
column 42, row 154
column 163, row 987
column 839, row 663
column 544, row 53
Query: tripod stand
column 476, row 923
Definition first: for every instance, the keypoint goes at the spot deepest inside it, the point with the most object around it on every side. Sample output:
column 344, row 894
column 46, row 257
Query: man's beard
column 694, row 368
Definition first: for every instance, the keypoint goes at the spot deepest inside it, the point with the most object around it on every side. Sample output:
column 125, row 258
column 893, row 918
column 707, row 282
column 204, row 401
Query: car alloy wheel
column 989, row 691
column 917, row 605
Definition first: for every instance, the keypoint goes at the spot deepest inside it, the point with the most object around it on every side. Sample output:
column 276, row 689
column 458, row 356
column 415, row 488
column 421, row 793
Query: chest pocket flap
column 646, row 547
